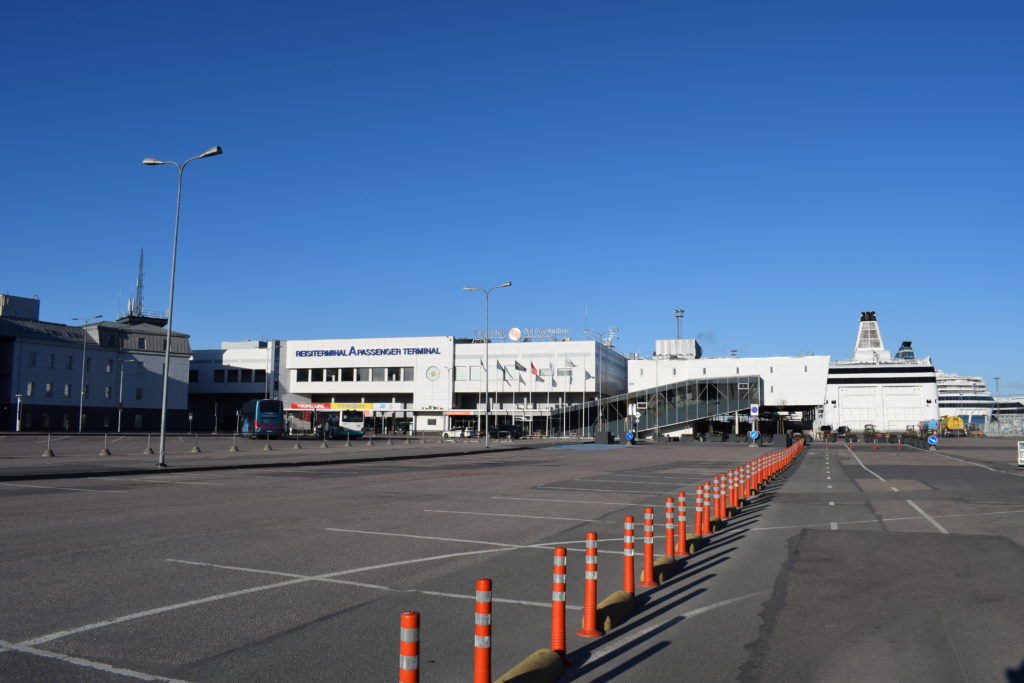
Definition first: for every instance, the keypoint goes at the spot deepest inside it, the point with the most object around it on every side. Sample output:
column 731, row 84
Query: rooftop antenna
column 137, row 309
column 679, row 323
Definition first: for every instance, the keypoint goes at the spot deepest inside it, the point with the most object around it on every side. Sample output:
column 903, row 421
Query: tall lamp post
column 149, row 161
column 487, row 355
column 81, row 387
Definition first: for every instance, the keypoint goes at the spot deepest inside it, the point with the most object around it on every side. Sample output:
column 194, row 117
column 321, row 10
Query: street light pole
column 487, row 355
column 81, row 387
column 149, row 161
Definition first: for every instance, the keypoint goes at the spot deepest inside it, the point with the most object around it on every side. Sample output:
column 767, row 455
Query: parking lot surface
column 296, row 564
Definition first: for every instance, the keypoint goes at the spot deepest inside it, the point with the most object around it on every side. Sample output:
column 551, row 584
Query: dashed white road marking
column 927, row 516
column 894, row 489
column 834, row 526
column 885, row 519
column 831, row 502
column 623, row 643
column 78, row 661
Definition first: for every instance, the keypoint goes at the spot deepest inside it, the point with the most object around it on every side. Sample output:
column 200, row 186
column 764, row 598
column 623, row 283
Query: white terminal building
column 435, row 383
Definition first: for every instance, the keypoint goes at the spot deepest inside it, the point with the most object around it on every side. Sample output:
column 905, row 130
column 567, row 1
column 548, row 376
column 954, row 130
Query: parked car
column 459, row 433
column 511, row 431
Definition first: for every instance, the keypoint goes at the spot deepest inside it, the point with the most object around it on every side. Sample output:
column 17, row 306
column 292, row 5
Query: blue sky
column 772, row 168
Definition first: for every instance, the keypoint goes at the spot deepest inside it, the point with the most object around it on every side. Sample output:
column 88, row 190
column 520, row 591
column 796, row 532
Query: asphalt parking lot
column 296, row 564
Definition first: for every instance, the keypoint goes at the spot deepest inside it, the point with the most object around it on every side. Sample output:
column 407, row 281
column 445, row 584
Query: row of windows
column 399, row 374
column 48, row 387
column 69, row 363
column 232, row 375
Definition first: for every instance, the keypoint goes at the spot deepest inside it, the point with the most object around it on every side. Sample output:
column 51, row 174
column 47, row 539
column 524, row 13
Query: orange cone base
column 589, row 633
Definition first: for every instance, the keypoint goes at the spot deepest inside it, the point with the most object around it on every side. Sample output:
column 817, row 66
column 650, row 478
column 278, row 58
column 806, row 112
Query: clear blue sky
column 774, row 168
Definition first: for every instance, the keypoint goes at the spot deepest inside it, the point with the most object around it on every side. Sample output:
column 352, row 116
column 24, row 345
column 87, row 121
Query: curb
column 77, row 474
column 543, row 666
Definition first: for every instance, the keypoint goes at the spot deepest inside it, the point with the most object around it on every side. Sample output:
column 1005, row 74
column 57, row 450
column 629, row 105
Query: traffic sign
column 1020, row 454
column 754, row 408
column 630, row 436
column 932, row 440
column 754, row 434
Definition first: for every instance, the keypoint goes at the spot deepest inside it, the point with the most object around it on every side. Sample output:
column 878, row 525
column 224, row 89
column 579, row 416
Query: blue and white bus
column 262, row 417
column 350, row 425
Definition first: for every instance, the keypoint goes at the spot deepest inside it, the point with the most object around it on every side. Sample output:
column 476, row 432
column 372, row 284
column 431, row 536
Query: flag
column 533, row 368
column 520, row 367
column 569, row 363
column 497, row 364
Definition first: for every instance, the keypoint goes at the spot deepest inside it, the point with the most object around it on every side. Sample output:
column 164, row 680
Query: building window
column 316, row 375
column 565, row 372
column 67, row 391
column 193, row 376
column 141, row 344
column 138, row 393
column 71, row 363
column 461, row 373
column 673, row 372
column 331, row 374
column 110, row 366
column 108, row 392
column 474, row 373
column 408, row 374
column 378, row 374
column 49, row 389
column 259, row 376
column 218, row 376
column 705, row 371
column 431, row 421
column 53, row 360
column 138, row 422
column 362, row 374
column 233, row 376
column 302, row 375
column 246, row 375
column 29, row 388
column 32, row 359
column 771, row 370
column 805, row 368
column 347, row 374
column 394, row 374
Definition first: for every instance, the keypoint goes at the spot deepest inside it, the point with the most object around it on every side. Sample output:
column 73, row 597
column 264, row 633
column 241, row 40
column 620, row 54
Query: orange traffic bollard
column 708, row 511
column 628, row 551
column 681, row 511
column 647, row 577
column 698, row 513
column 590, row 629
column 482, row 633
column 558, row 604
column 409, row 648
column 670, row 527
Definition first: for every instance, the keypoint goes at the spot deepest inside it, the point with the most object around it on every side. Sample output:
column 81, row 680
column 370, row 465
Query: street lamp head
column 212, row 152
column 150, row 161
column 470, row 289
column 505, row 284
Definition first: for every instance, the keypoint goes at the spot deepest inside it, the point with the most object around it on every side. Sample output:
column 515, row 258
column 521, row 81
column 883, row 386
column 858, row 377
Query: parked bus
column 350, row 425
column 262, row 417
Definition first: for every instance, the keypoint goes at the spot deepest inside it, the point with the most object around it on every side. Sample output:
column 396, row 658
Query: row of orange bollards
column 714, row 500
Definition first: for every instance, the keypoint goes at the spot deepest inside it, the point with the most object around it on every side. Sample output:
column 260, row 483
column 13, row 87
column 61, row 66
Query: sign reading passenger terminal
column 379, row 351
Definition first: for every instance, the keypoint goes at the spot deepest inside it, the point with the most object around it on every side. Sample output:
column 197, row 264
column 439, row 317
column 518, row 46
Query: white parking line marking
column 894, row 489
column 360, row 584
column 574, row 488
column 927, row 516
column 499, row 514
column 78, row 661
column 159, row 480
column 555, row 500
column 245, row 591
column 831, row 502
column 862, row 464
column 61, row 488
column 834, row 526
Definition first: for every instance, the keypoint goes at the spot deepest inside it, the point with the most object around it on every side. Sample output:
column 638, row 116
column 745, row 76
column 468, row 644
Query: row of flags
column 522, row 368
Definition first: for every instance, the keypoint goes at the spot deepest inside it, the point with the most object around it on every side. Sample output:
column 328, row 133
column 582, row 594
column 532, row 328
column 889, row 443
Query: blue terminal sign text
column 353, row 351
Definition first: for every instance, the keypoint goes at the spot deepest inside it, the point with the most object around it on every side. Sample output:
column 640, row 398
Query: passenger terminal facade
column 430, row 384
